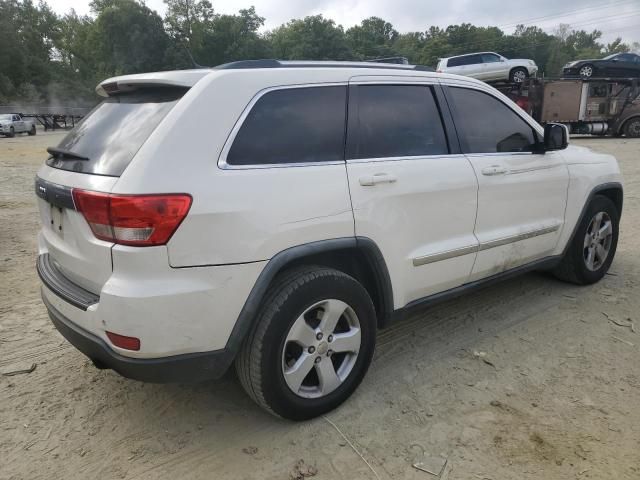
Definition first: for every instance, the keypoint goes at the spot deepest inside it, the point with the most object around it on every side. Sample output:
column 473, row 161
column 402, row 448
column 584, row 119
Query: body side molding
column 421, row 303
column 498, row 242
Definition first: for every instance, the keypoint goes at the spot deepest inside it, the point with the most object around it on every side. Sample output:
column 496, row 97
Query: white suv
column 489, row 66
column 276, row 214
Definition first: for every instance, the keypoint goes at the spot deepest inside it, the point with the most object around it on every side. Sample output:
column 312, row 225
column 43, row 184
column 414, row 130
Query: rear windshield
column 111, row 134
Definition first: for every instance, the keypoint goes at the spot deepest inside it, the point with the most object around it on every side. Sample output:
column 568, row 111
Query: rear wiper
column 61, row 154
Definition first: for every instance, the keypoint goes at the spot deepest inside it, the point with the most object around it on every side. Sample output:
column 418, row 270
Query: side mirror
column 556, row 137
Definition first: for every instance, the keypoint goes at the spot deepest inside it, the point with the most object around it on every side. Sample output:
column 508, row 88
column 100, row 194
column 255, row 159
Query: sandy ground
column 555, row 395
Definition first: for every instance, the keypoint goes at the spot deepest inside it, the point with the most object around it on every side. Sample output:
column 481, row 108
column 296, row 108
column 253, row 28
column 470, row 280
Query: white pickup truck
column 12, row 123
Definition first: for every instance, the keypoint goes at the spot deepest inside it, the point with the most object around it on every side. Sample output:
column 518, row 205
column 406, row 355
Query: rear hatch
column 91, row 158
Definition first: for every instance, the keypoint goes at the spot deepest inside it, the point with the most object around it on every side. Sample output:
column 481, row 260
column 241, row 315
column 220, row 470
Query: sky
column 613, row 17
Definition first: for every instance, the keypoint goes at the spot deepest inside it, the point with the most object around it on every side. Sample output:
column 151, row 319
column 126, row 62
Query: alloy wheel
column 597, row 241
column 519, row 76
column 586, row 71
column 321, row 348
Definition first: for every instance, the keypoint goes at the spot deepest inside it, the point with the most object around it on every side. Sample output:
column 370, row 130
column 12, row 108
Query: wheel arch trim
column 594, row 191
column 622, row 125
column 279, row 262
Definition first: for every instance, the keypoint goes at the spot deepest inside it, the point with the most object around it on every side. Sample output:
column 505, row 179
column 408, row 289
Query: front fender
column 589, row 174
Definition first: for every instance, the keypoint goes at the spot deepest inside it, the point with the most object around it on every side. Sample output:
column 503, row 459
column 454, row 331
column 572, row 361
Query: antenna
column 193, row 62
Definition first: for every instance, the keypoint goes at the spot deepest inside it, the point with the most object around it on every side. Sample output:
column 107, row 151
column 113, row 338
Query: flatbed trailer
column 597, row 106
column 51, row 118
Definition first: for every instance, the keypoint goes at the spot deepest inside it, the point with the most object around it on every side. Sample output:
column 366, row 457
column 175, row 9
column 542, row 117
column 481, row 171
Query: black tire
column 259, row 364
column 515, row 76
column 587, row 68
column 12, row 132
column 573, row 267
column 632, row 128
column 32, row 132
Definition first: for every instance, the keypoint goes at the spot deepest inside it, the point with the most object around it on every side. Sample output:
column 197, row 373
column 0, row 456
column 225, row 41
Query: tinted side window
column 487, row 125
column 394, row 121
column 490, row 58
column 292, row 126
column 464, row 60
column 474, row 59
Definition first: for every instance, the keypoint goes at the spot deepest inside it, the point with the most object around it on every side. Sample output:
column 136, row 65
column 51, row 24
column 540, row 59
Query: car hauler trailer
column 604, row 106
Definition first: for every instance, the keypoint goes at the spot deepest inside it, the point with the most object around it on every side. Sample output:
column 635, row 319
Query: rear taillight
column 137, row 220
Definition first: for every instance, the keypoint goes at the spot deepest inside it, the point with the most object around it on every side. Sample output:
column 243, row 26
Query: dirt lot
column 529, row 379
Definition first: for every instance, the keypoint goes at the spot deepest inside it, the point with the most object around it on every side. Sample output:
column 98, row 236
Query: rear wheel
column 312, row 344
column 587, row 71
column 591, row 251
column 32, row 132
column 632, row 128
column 518, row 75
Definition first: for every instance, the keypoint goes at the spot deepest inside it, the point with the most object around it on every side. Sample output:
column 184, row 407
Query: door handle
column 494, row 170
column 376, row 178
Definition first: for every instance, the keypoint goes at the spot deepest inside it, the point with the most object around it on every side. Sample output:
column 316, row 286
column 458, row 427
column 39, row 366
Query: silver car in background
column 489, row 66
column 12, row 123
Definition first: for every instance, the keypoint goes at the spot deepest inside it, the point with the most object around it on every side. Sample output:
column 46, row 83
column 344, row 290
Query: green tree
column 233, row 37
column 186, row 20
column 616, row 47
column 27, row 33
column 126, row 37
column 409, row 45
column 312, row 38
column 436, row 46
column 374, row 37
column 60, row 59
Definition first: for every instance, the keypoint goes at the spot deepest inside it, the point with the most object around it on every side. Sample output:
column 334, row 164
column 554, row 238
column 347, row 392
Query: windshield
column 112, row 133
column 609, row 57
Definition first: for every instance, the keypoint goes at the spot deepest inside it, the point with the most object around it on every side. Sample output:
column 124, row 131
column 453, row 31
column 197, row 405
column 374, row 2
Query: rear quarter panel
column 237, row 216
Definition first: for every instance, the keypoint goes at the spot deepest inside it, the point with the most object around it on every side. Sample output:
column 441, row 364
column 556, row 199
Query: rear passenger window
column 294, row 125
column 486, row 125
column 394, row 121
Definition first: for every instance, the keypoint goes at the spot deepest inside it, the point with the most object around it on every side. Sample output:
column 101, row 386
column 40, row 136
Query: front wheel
column 590, row 253
column 312, row 344
column 518, row 75
column 12, row 132
column 587, row 71
column 632, row 128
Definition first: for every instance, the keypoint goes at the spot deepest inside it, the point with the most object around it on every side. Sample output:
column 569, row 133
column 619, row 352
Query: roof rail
column 272, row 63
column 396, row 60
column 265, row 63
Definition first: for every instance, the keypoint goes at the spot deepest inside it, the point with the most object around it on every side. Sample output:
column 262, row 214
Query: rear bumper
column 190, row 367
column 184, row 318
